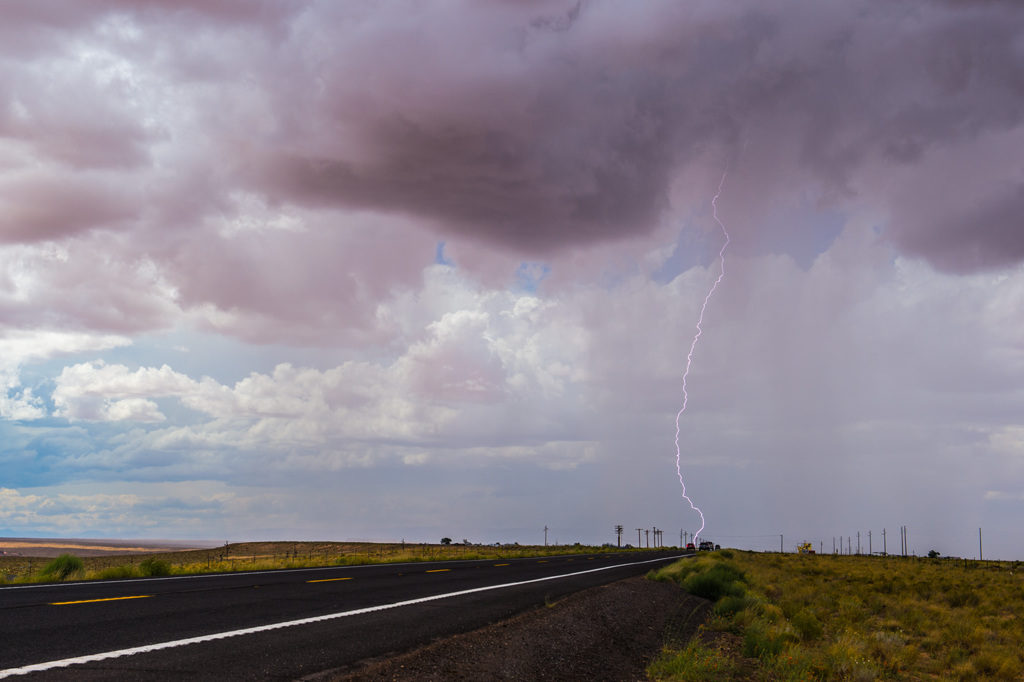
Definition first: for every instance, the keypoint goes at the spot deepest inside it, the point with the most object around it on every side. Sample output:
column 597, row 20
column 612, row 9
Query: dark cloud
column 567, row 128
column 41, row 209
column 978, row 237
column 538, row 126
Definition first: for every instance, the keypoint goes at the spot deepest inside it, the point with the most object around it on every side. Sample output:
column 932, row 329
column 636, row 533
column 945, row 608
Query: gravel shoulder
column 607, row 633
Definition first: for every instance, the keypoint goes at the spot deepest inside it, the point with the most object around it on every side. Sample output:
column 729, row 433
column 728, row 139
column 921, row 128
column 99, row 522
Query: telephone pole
column 639, row 544
column 618, row 535
column 980, row 557
column 545, row 536
column 858, row 543
column 781, row 547
column 869, row 544
column 647, row 534
column 884, row 548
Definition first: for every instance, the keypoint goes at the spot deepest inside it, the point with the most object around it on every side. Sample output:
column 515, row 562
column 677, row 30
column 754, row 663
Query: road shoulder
column 610, row 632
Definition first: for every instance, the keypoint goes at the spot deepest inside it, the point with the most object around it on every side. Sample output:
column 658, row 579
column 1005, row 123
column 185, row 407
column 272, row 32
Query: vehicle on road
column 706, row 546
column 690, row 547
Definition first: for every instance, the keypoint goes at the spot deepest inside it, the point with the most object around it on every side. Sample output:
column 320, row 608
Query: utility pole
column 639, row 544
column 655, row 531
column 869, row 544
column 647, row 534
column 849, row 545
column 833, row 544
column 858, row 543
column 980, row 557
column 618, row 535
column 884, row 548
column 681, row 543
column 781, row 547
column 545, row 536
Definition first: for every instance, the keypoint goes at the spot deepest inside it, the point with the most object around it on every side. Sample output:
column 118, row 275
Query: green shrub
column 678, row 571
column 118, row 572
column 731, row 605
column 154, row 567
column 999, row 664
column 764, row 641
column 696, row 663
column 962, row 595
column 725, row 553
column 720, row 580
column 63, row 567
column 923, row 589
column 808, row 625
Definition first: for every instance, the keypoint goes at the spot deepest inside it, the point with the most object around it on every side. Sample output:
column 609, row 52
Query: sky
column 302, row 269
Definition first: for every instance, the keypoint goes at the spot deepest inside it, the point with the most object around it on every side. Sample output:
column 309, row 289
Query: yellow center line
column 501, row 564
column 90, row 601
column 327, row 580
column 439, row 570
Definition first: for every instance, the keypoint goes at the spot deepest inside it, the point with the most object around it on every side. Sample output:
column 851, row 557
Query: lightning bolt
column 689, row 356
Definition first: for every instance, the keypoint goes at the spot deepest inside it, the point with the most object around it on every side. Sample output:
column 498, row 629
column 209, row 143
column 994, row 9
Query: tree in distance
column 446, row 541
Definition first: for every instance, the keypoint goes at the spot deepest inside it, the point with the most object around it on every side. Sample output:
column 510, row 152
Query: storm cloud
column 276, row 250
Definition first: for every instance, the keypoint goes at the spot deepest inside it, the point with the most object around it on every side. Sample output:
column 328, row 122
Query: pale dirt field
column 52, row 547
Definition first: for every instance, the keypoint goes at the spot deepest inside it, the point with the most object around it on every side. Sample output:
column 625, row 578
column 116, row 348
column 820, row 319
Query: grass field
column 825, row 617
column 248, row 556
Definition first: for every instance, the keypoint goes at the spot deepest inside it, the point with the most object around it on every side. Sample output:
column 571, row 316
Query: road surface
column 285, row 624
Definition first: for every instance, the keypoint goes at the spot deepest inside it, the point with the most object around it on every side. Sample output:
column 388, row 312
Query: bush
column 763, row 641
column 154, row 567
column 720, row 580
column 808, row 625
column 63, row 567
column 962, row 595
column 696, row 662
column 117, row 572
column 730, row 606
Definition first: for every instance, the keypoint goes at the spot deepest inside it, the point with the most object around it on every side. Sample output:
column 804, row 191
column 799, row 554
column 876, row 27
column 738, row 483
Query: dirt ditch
column 607, row 633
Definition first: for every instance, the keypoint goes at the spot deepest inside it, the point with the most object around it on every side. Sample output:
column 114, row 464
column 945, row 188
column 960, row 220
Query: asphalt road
column 270, row 625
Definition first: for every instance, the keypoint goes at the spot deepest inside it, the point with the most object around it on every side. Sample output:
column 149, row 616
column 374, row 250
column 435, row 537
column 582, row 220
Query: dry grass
column 867, row 618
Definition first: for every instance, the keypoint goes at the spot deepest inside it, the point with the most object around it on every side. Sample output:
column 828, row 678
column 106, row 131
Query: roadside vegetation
column 63, row 567
column 250, row 556
column 825, row 617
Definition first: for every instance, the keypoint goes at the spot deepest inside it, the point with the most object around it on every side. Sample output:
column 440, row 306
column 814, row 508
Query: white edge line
column 91, row 658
